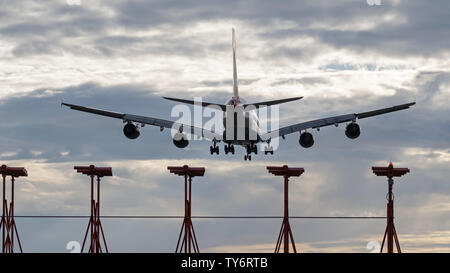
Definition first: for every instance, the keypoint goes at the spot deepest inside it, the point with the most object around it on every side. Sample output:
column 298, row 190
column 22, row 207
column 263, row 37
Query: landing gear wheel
column 268, row 150
column 255, row 149
column 229, row 149
column 245, row 157
column 214, row 149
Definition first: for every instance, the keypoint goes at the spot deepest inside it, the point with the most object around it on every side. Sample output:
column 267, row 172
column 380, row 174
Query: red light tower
column 189, row 242
column 8, row 224
column 285, row 231
column 390, row 232
column 95, row 226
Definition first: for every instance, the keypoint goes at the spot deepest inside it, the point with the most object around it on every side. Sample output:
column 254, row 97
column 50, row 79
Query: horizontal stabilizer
column 271, row 102
column 223, row 106
column 204, row 104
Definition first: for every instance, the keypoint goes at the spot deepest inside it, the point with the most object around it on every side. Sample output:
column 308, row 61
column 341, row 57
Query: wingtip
column 65, row 104
column 297, row 98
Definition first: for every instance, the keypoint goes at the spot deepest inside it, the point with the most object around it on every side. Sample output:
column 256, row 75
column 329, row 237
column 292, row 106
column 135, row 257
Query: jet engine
column 352, row 130
column 306, row 140
column 131, row 131
column 180, row 140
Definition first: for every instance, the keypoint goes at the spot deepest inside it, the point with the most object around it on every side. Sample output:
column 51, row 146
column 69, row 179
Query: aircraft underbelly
column 242, row 133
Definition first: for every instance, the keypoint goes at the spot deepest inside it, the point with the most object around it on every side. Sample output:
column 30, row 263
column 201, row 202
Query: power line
column 198, row 217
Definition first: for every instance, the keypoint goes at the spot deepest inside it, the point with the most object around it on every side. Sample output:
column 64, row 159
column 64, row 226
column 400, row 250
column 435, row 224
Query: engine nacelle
column 306, row 140
column 180, row 140
column 131, row 131
column 352, row 130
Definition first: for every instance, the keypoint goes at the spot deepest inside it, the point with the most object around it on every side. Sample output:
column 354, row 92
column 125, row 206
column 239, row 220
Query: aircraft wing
column 318, row 123
column 162, row 123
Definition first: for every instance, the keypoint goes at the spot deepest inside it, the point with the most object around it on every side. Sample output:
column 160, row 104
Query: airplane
column 134, row 123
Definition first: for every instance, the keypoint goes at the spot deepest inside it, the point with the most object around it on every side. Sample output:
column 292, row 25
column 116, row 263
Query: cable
column 198, row 217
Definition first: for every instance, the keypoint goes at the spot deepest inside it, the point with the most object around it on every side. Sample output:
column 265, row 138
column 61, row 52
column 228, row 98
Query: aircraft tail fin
column 235, row 81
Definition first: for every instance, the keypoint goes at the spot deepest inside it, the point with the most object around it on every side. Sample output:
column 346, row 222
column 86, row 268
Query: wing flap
column 94, row 111
column 385, row 110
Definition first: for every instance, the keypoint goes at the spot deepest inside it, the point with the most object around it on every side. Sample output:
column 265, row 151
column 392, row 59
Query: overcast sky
column 342, row 56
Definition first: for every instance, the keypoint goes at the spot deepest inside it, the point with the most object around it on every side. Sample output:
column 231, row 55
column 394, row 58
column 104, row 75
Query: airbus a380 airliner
column 232, row 135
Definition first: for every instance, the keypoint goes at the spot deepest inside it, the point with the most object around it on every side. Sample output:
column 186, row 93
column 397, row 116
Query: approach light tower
column 8, row 224
column 285, row 231
column 390, row 232
column 95, row 226
column 189, row 242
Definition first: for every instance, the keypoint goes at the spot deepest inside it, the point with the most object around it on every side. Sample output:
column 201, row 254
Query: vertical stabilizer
column 235, row 81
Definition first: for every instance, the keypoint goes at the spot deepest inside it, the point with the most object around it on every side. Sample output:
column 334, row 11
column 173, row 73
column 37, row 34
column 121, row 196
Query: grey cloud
column 50, row 24
column 306, row 81
column 54, row 130
column 157, row 45
column 337, row 181
column 215, row 83
column 434, row 86
column 260, row 12
column 227, row 82
column 424, row 33
column 36, row 47
column 292, row 53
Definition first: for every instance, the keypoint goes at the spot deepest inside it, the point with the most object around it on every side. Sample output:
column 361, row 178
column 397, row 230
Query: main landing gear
column 251, row 149
column 229, row 149
column 214, row 149
column 268, row 150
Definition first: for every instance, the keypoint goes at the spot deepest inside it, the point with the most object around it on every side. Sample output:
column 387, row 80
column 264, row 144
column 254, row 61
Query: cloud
column 343, row 57
column 141, row 184
column 410, row 243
